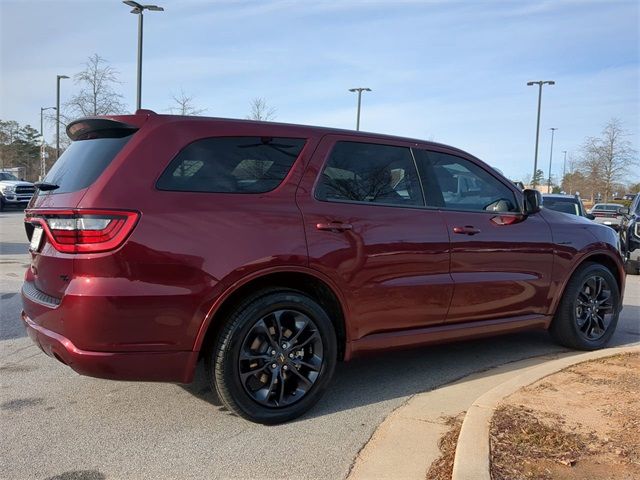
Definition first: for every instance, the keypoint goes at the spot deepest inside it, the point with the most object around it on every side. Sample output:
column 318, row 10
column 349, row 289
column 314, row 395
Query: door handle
column 334, row 226
column 466, row 230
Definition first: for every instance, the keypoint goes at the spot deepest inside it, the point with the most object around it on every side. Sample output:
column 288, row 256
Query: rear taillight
column 85, row 231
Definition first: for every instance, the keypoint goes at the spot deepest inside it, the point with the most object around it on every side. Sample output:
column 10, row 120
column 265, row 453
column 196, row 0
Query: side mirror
column 532, row 201
column 590, row 216
column 624, row 211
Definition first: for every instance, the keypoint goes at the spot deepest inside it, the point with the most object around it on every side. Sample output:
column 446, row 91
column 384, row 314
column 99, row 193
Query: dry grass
column 442, row 468
column 518, row 437
column 580, row 423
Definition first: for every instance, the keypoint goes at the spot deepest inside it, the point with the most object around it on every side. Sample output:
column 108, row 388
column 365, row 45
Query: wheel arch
column 305, row 280
column 604, row 258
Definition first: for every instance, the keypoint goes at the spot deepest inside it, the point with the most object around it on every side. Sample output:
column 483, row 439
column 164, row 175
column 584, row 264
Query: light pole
column 42, row 152
column 58, row 78
column 359, row 90
column 564, row 165
column 553, row 130
column 42, row 109
column 138, row 9
column 540, row 83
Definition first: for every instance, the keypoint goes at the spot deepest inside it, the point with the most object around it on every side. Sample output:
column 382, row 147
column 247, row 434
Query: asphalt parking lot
column 58, row 425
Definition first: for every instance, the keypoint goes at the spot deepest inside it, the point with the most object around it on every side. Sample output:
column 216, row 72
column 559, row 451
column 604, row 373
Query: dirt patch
column 442, row 468
column 580, row 423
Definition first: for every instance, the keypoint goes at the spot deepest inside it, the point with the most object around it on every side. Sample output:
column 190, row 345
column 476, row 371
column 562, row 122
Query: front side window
column 370, row 173
column 231, row 165
column 455, row 183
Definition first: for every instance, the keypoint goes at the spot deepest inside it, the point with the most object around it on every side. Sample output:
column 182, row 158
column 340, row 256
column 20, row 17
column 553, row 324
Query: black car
column 570, row 204
column 630, row 236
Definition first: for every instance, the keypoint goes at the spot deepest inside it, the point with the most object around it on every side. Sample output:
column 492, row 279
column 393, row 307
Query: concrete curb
column 472, row 459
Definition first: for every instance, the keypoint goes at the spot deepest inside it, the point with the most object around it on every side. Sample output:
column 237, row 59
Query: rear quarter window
column 231, row 165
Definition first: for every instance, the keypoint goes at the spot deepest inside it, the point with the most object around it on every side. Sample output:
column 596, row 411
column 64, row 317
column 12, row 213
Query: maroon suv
column 274, row 251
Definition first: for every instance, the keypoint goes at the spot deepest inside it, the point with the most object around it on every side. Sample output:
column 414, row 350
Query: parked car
column 630, row 236
column 274, row 251
column 14, row 192
column 571, row 204
column 607, row 214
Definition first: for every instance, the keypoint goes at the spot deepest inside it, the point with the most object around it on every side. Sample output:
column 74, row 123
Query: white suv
column 14, row 191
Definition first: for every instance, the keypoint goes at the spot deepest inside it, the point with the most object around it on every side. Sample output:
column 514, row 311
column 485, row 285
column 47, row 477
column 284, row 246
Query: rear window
column 82, row 163
column 231, row 165
column 564, row 206
column 607, row 208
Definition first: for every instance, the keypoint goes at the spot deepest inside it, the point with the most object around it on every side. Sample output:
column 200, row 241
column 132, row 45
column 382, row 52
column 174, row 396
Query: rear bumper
column 142, row 366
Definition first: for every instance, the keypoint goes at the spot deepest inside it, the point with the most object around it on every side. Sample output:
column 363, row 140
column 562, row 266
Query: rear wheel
column 588, row 312
column 274, row 358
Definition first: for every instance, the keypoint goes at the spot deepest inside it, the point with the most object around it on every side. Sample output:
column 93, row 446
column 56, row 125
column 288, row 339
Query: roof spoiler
column 99, row 127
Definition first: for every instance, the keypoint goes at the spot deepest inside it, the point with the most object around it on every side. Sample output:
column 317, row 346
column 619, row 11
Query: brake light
column 85, row 231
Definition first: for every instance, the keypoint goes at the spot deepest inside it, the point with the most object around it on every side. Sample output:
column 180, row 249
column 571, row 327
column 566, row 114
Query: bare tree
column 261, row 111
column 97, row 95
column 184, row 105
column 608, row 159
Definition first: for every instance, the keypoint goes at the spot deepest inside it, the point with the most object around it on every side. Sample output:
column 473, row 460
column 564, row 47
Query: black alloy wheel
column 274, row 357
column 280, row 358
column 594, row 307
column 588, row 311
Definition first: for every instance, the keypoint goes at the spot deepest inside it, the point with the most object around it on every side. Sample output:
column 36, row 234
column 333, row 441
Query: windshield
column 7, row 176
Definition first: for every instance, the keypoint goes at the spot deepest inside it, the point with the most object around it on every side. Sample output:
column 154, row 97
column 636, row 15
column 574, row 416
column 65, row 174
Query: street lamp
column 138, row 9
column 43, row 109
column 553, row 130
column 564, row 165
column 359, row 90
column 42, row 152
column 58, row 78
column 540, row 83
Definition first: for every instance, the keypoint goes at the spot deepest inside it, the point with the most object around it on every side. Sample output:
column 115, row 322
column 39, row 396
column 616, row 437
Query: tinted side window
column 231, row 165
column 462, row 185
column 370, row 173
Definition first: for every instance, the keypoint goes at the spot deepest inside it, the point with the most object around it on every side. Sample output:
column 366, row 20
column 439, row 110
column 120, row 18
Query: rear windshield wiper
column 44, row 186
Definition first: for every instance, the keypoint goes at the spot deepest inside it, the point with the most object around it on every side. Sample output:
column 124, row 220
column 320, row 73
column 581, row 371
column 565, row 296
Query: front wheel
column 274, row 357
column 588, row 312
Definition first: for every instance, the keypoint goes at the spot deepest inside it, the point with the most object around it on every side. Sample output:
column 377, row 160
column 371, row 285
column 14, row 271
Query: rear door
column 368, row 230
column 501, row 261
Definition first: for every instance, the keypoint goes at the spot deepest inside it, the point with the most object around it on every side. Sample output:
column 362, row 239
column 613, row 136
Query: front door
column 368, row 230
column 501, row 261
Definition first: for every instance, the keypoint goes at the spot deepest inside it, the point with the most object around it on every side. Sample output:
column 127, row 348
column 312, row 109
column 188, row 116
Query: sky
column 450, row 71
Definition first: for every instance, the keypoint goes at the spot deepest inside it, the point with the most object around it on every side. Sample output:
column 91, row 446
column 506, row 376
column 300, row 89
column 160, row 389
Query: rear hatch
column 57, row 230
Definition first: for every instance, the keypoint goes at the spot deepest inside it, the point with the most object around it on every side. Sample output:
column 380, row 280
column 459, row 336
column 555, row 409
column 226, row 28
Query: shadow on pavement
column 389, row 375
column 10, row 248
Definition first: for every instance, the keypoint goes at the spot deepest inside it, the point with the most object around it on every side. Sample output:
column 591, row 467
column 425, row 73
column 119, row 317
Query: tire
column 1, row 204
column 592, row 288
column 254, row 376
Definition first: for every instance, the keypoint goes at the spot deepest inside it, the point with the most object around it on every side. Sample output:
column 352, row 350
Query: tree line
column 602, row 168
